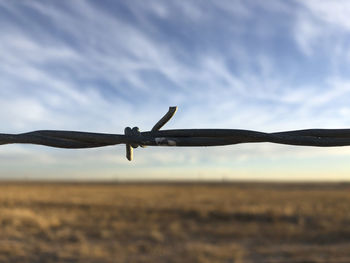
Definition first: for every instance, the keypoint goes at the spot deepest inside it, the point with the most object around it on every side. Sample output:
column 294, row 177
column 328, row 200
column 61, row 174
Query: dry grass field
column 241, row 222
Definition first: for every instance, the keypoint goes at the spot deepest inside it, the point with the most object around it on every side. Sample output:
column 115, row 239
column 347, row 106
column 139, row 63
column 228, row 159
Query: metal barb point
column 129, row 152
column 171, row 112
column 129, row 149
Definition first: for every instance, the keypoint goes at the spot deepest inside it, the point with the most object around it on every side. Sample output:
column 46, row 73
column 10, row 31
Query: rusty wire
column 133, row 138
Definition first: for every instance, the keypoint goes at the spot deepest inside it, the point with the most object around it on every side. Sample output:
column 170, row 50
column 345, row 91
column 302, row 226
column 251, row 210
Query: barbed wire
column 133, row 138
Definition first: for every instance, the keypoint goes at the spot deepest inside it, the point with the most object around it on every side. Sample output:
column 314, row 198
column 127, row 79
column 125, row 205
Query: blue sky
column 103, row 65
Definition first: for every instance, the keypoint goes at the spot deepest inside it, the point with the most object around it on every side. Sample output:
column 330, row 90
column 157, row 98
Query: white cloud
column 308, row 34
column 323, row 26
column 333, row 12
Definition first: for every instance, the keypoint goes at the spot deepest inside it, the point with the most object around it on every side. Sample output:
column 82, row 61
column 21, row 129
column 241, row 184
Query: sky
column 101, row 66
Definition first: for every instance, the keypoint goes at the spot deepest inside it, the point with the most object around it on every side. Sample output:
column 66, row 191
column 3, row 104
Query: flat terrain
column 42, row 222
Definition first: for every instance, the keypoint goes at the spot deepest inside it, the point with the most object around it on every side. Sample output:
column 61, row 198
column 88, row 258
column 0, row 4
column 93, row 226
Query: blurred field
column 42, row 222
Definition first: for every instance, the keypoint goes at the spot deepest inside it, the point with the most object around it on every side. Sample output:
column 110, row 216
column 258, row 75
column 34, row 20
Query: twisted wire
column 133, row 138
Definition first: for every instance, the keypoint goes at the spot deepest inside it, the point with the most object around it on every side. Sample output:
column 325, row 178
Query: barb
column 171, row 112
column 133, row 138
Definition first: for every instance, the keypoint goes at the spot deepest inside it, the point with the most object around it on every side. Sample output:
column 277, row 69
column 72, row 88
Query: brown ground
column 174, row 223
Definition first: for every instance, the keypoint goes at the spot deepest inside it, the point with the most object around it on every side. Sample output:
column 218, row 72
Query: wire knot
column 132, row 135
column 135, row 138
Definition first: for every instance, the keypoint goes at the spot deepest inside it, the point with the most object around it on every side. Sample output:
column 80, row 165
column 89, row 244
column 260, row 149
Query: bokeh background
column 100, row 66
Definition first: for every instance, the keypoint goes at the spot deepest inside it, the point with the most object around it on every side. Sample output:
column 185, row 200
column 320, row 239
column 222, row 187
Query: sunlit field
column 42, row 222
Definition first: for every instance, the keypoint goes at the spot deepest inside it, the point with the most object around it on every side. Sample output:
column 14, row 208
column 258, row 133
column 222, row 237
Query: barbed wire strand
column 133, row 138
